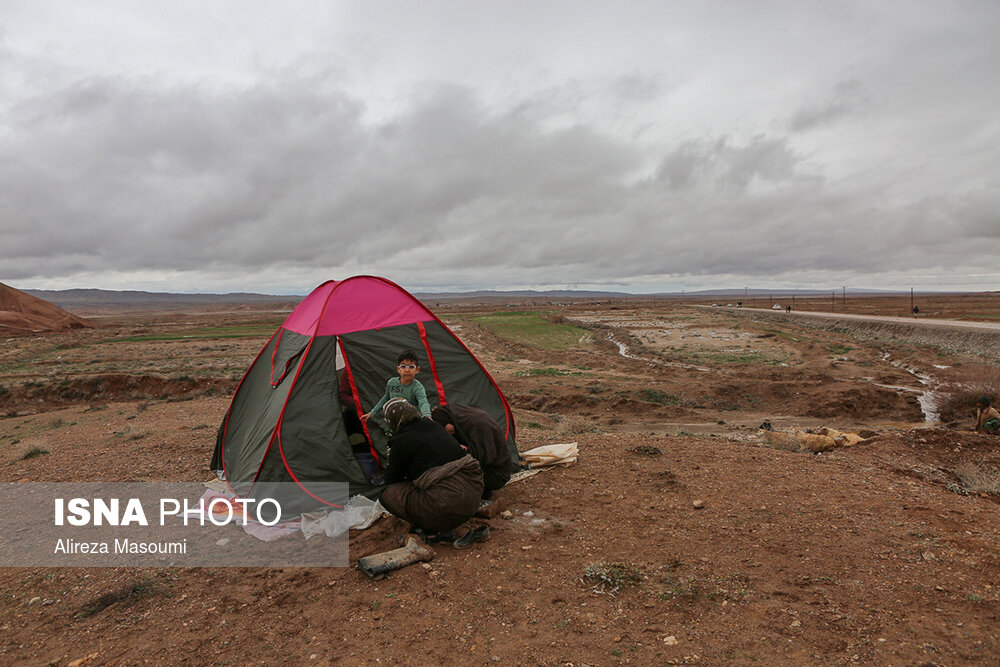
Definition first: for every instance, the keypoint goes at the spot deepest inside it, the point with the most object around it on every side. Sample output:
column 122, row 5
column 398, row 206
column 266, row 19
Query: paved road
column 923, row 321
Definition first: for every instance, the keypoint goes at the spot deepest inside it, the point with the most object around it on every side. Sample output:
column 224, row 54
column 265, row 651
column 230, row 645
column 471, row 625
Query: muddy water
column 624, row 351
column 928, row 398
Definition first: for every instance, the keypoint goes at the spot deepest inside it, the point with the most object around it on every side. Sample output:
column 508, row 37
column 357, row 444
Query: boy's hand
column 365, row 417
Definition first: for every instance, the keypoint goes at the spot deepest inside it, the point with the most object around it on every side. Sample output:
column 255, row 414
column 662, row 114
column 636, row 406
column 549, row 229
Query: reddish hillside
column 23, row 313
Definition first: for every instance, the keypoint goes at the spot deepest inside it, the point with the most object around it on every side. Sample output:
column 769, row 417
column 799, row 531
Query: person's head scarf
column 398, row 413
column 442, row 415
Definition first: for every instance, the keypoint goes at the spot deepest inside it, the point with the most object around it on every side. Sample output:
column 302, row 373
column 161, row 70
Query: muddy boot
column 415, row 551
column 475, row 535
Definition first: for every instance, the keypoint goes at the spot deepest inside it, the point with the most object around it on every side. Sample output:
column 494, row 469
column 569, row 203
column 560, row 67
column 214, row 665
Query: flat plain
column 886, row 552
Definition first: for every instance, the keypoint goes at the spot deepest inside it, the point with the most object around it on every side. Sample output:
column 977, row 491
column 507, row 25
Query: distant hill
column 25, row 313
column 526, row 294
column 99, row 299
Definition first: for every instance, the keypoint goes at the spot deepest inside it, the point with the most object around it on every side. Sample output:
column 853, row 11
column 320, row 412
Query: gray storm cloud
column 295, row 174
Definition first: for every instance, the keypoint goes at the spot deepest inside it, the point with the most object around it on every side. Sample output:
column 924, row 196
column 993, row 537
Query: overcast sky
column 635, row 146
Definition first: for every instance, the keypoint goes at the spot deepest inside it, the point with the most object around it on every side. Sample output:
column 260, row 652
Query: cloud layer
column 287, row 176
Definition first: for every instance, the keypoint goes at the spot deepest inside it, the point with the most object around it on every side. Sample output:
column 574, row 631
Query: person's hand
column 365, row 417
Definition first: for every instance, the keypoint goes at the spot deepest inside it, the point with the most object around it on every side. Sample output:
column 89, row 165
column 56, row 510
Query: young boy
column 987, row 418
column 405, row 386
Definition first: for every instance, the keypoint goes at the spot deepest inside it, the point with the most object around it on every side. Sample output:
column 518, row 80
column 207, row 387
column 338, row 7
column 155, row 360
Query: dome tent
column 292, row 418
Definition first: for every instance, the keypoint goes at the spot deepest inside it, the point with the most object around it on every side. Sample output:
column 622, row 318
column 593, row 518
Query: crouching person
column 433, row 483
column 987, row 417
column 485, row 440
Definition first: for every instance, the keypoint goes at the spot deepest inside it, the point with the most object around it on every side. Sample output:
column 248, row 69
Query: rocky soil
column 679, row 537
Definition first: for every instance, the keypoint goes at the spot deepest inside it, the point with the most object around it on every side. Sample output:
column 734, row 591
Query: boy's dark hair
column 984, row 400
column 407, row 355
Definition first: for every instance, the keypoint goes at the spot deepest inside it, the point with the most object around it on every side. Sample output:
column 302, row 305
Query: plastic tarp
column 359, row 513
column 551, row 455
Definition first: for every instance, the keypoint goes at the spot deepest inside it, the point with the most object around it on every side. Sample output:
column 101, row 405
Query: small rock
column 313, row 656
column 46, row 603
column 882, row 640
column 529, row 513
column 526, row 547
column 223, row 542
column 698, row 504
column 426, row 566
column 34, row 600
column 507, row 514
column 670, row 640
column 794, row 624
column 927, row 555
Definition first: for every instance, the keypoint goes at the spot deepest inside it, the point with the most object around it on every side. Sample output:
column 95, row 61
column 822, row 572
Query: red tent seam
column 430, row 358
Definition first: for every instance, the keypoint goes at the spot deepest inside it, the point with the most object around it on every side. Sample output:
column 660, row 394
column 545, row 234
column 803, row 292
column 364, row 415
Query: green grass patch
column 256, row 331
column 530, row 328
column 839, row 349
column 33, row 453
column 784, row 334
column 660, row 397
column 551, row 372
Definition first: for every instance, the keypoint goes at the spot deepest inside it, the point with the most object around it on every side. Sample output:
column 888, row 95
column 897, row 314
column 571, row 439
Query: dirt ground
column 679, row 537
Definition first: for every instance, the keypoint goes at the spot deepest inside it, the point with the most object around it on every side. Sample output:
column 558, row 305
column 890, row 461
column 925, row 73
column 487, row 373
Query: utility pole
column 845, row 298
column 833, row 301
column 911, row 299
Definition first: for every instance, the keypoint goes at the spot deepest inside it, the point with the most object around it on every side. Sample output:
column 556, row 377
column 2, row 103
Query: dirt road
column 960, row 324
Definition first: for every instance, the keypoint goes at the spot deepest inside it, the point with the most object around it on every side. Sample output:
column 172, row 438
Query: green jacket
column 414, row 393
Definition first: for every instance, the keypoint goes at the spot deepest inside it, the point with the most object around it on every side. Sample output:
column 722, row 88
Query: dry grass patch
column 963, row 388
column 977, row 478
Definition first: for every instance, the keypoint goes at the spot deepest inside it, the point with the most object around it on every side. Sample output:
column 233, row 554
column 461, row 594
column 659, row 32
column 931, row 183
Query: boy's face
column 408, row 370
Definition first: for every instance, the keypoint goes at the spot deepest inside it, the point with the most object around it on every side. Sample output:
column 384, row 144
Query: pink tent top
column 355, row 304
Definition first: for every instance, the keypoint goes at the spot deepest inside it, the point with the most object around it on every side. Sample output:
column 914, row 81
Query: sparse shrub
column 127, row 595
column 646, row 450
column 3, row 391
column 33, row 453
column 976, row 478
column 660, row 397
column 611, row 577
column 966, row 384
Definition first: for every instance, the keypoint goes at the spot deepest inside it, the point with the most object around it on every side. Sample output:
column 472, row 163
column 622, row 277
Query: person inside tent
column 360, row 445
column 987, row 417
column 482, row 436
column 433, row 483
column 405, row 386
